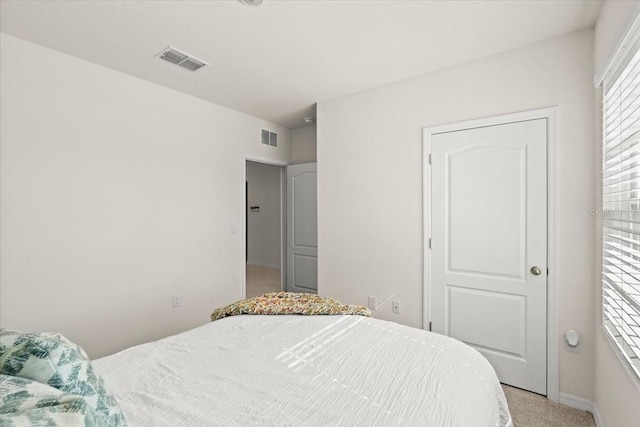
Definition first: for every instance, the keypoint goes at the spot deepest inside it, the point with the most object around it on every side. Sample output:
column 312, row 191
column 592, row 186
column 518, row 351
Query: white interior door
column 302, row 228
column 488, row 278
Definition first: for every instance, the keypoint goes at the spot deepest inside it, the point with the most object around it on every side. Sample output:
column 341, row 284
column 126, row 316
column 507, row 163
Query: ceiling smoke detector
column 181, row 59
column 251, row 2
column 309, row 120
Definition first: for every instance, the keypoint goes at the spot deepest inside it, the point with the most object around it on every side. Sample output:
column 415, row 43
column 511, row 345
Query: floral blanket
column 288, row 303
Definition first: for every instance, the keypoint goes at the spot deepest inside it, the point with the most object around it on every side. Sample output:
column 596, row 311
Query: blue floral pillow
column 27, row 403
column 54, row 360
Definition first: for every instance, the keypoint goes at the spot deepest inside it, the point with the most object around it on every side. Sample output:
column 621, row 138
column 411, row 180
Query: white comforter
column 305, row 371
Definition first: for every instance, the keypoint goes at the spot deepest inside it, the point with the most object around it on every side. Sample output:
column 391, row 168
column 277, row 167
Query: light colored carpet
column 532, row 410
column 262, row 280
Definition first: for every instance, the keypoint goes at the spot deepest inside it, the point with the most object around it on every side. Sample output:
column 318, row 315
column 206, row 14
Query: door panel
column 302, row 228
column 487, row 176
column 305, row 272
column 305, row 212
column 467, row 305
column 489, row 228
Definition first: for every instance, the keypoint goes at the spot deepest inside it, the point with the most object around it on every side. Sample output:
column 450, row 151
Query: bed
column 291, row 370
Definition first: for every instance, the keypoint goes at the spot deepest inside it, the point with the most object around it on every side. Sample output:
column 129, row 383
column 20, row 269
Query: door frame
column 549, row 113
column 283, row 220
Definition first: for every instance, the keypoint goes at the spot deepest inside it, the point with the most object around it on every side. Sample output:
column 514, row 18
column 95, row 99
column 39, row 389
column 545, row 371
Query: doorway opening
column 264, row 228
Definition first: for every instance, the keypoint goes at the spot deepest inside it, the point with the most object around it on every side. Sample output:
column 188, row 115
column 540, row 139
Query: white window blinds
column 621, row 203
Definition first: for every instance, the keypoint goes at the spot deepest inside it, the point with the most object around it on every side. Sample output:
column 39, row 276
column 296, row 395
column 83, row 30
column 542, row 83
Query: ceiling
column 277, row 60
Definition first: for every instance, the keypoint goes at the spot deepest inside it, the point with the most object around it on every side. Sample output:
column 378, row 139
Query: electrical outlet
column 176, row 301
column 373, row 303
column 572, row 341
column 395, row 307
column 575, row 349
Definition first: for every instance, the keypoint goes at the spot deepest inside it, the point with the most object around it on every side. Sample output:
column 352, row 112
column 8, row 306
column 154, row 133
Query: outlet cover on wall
column 575, row 349
column 373, row 303
column 176, row 301
column 395, row 307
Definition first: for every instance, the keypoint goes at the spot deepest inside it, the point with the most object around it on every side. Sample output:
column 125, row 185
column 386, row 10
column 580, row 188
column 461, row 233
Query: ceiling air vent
column 181, row 59
column 269, row 138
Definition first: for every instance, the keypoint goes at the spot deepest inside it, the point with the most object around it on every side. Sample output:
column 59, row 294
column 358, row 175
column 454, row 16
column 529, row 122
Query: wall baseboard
column 582, row 404
column 264, row 264
column 576, row 402
column 596, row 416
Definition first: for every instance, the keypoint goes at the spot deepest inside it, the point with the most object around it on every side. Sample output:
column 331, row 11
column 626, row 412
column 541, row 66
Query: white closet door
column 489, row 245
column 302, row 228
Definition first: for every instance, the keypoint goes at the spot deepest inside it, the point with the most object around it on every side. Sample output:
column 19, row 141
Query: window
column 621, row 203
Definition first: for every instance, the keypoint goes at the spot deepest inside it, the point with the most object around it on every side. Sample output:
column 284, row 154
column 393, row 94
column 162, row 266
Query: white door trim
column 553, row 385
column 283, row 221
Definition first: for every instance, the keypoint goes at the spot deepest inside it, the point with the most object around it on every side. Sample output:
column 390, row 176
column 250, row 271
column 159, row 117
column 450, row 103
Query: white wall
column 265, row 241
column 617, row 398
column 115, row 194
column 612, row 22
column 303, row 145
column 370, row 180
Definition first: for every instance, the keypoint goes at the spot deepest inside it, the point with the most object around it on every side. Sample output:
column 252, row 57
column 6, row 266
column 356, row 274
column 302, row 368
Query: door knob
column 536, row 271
